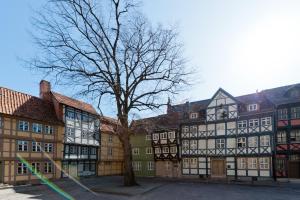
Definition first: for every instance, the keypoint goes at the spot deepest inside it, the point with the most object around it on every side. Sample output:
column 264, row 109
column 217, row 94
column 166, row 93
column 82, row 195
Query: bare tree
column 110, row 50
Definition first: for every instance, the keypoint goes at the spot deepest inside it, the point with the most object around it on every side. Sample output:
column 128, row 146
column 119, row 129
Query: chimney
column 45, row 89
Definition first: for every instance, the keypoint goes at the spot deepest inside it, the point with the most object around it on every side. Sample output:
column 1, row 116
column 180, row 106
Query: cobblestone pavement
column 165, row 191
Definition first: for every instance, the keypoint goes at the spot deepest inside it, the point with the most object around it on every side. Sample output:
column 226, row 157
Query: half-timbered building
column 227, row 136
column 287, row 151
column 81, row 135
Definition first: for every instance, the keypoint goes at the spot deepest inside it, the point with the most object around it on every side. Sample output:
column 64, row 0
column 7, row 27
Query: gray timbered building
column 227, row 136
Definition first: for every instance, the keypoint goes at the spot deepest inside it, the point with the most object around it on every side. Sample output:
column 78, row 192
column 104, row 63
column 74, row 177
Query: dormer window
column 194, row 115
column 252, row 107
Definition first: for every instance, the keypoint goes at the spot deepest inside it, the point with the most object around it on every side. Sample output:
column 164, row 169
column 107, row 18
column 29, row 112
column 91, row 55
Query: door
column 73, row 169
column 294, row 169
column 218, row 168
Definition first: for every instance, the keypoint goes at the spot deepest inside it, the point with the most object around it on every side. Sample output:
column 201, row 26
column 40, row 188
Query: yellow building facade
column 111, row 153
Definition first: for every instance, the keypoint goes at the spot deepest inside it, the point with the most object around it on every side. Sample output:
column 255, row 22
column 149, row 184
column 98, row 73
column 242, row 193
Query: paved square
column 165, row 190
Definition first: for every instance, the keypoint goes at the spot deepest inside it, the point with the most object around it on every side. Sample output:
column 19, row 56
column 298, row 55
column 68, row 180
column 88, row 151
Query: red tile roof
column 108, row 124
column 74, row 103
column 27, row 106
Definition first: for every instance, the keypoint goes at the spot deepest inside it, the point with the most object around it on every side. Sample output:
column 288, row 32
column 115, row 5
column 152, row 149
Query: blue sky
column 241, row 46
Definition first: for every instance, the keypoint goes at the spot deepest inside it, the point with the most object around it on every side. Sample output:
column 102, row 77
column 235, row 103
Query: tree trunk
column 129, row 178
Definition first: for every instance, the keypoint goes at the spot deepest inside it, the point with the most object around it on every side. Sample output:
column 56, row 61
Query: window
column 137, row 166
column 222, row 113
column 85, row 134
column 193, row 130
column 266, row 121
column 157, row 150
column 22, row 145
column 155, row 136
column 265, row 141
column 48, row 167
column 22, row 169
column 165, row 149
column 194, row 115
column 70, row 132
column 185, row 145
column 252, row 163
column 150, row 165
column 264, row 163
column 193, row 162
column 48, row 147
column 186, row 163
column 253, row 122
column 163, row 136
column 49, row 129
column 37, row 128
column 185, row 129
column 252, row 107
column 220, row 143
column 110, row 138
column 193, row 144
column 281, row 137
column 149, row 150
column 35, row 167
column 93, row 151
column 282, row 114
column 110, row 151
column 84, row 150
column 36, row 146
column 135, row 151
column 23, row 126
column 241, row 142
column 148, row 137
column 73, row 150
column 242, row 163
column 295, row 112
column 295, row 135
column 171, row 135
column 173, row 149
column 70, row 115
column 85, row 117
column 253, row 141
column 242, row 124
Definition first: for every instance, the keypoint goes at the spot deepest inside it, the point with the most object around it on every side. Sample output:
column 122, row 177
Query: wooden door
column 218, row 168
column 294, row 169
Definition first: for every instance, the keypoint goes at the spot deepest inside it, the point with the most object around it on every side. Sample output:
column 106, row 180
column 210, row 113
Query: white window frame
column 49, row 129
column 48, row 147
column 252, row 163
column 252, row 107
column 253, row 122
column 23, row 144
column 149, row 150
column 194, row 115
column 264, row 163
column 220, row 143
column 253, row 141
column 185, row 163
column 283, row 139
column 70, row 132
column 137, row 165
column 193, row 144
column 165, row 150
column 37, row 128
column 265, row 141
column 150, row 165
column 48, row 167
column 242, row 124
column 36, row 167
column 241, row 140
column 36, row 146
column 185, row 145
column 163, row 135
column 23, row 169
column 193, row 163
column 295, row 134
column 23, row 125
column 173, row 149
column 148, row 137
column 109, row 151
column 185, row 129
column 266, row 121
column 135, row 151
column 295, row 112
column 171, row 135
column 155, row 136
column 242, row 163
column 157, row 150
column 110, row 138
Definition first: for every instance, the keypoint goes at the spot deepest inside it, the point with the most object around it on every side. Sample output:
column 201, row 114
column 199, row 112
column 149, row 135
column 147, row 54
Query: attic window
column 194, row 115
column 252, row 107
